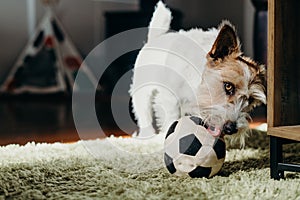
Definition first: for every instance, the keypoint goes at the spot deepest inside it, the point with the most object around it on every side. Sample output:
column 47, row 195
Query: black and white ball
column 190, row 150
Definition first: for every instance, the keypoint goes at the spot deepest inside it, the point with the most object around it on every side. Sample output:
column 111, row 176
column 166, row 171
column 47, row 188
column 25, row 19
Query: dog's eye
column 229, row 88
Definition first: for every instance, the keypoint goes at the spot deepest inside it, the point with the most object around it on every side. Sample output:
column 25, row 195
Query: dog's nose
column 230, row 128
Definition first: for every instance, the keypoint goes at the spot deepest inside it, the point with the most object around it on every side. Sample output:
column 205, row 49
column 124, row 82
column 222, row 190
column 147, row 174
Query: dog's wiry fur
column 195, row 72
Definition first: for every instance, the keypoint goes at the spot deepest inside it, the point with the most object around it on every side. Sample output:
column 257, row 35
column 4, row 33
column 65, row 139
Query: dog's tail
column 160, row 22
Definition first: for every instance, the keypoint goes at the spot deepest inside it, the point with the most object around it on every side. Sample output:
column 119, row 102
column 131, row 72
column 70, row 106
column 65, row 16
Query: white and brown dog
column 194, row 72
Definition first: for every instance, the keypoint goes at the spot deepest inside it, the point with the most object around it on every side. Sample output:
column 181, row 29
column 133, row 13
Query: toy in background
column 50, row 61
column 191, row 149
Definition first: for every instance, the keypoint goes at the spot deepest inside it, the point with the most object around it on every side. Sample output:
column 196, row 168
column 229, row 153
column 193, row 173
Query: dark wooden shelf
column 283, row 109
column 287, row 132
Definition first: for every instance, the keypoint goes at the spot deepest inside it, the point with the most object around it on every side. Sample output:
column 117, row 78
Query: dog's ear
column 226, row 43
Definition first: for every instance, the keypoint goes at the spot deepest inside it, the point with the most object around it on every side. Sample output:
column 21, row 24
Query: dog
column 195, row 72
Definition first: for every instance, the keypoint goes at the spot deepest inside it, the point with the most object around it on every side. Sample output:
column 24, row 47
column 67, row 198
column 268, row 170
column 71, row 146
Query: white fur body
column 195, row 72
column 168, row 72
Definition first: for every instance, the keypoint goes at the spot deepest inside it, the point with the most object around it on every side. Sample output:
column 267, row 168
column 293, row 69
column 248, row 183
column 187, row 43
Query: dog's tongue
column 214, row 131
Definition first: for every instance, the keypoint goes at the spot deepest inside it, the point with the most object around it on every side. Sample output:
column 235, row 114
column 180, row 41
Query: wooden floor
column 50, row 120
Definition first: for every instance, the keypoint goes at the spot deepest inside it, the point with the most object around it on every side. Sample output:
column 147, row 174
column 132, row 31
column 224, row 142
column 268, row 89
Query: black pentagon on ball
column 171, row 129
column 196, row 120
column 220, row 148
column 200, row 172
column 169, row 163
column 189, row 145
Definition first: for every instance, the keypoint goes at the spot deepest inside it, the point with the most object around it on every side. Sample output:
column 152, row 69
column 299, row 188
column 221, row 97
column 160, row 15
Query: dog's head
column 232, row 84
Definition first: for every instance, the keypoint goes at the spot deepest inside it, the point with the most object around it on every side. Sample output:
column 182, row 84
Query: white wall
column 84, row 21
column 207, row 13
column 13, row 32
column 248, row 27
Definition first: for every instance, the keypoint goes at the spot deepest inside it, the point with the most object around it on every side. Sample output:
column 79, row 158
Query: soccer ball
column 190, row 150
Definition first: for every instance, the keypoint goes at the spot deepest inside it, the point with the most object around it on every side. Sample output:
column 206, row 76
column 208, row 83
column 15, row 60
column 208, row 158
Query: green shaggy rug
column 127, row 168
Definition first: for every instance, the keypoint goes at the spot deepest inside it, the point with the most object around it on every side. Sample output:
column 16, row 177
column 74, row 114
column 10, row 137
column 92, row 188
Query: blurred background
column 48, row 117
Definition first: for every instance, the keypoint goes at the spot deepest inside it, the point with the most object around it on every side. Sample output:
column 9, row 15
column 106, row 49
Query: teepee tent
column 48, row 64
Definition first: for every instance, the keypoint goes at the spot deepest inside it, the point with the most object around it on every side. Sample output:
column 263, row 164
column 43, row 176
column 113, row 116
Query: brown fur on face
column 236, row 82
column 246, row 75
